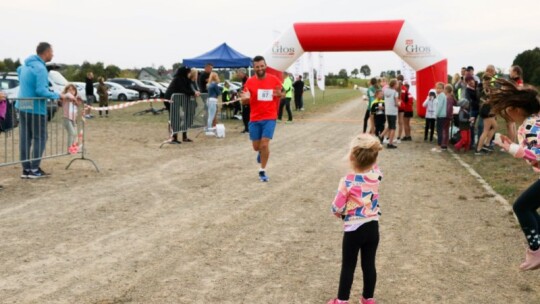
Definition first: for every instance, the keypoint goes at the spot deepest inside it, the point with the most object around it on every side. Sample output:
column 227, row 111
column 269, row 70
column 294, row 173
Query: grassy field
column 506, row 175
column 321, row 102
column 328, row 98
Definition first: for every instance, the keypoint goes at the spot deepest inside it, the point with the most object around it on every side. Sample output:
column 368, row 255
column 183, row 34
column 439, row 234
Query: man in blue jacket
column 34, row 82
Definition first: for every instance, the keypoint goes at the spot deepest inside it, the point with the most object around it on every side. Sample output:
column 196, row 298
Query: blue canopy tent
column 221, row 57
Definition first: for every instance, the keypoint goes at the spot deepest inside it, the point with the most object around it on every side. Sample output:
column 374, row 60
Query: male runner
column 262, row 92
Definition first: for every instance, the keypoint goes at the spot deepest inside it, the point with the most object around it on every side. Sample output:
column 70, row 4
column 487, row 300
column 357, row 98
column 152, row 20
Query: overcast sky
column 133, row 33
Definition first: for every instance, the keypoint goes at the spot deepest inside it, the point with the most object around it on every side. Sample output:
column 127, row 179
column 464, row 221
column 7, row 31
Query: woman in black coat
column 181, row 83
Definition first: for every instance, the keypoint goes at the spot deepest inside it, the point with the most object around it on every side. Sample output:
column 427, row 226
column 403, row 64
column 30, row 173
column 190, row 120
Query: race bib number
column 264, row 95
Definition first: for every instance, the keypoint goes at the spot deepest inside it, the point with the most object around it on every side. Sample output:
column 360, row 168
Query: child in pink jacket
column 357, row 204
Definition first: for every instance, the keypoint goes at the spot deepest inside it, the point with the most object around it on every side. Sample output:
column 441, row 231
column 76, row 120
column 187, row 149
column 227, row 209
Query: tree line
column 75, row 72
column 528, row 60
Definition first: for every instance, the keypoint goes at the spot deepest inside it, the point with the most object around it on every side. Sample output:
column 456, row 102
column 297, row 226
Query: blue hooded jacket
column 34, row 82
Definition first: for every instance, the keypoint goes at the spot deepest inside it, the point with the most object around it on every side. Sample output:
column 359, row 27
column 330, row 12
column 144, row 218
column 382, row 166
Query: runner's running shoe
column 263, row 177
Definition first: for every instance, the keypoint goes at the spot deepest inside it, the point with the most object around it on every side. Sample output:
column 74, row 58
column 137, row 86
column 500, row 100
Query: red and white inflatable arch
column 396, row 35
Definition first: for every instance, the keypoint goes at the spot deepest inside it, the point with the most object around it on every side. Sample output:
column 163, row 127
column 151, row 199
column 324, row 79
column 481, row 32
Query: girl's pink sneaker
column 367, row 301
column 336, row 301
column 532, row 260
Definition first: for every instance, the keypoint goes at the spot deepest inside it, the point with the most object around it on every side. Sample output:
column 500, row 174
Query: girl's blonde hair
column 70, row 86
column 213, row 77
column 193, row 73
column 364, row 150
column 456, row 78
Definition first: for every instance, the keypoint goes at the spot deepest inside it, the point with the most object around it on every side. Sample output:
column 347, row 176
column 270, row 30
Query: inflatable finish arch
column 396, row 35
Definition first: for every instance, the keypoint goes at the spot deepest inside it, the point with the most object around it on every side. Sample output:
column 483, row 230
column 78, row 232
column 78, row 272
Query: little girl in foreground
column 522, row 106
column 357, row 204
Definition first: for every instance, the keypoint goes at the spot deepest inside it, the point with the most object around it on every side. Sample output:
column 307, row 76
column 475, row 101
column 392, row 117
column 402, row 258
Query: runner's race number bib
column 265, row 95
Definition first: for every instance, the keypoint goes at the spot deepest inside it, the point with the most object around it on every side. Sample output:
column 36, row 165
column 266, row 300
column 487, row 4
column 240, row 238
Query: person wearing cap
column 470, row 72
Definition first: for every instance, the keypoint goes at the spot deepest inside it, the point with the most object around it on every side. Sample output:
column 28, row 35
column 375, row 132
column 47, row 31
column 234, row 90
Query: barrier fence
column 29, row 137
column 192, row 112
column 186, row 113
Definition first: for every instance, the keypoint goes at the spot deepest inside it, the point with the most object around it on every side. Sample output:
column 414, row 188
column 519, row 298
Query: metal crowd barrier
column 52, row 127
column 187, row 113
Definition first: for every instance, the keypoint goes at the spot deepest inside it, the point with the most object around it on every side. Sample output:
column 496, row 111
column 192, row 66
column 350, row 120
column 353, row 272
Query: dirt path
column 192, row 224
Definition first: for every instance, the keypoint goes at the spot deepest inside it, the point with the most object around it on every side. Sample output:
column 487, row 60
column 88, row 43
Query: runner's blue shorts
column 261, row 128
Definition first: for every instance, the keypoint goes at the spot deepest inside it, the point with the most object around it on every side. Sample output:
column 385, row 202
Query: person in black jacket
column 181, row 83
column 89, row 92
column 298, row 87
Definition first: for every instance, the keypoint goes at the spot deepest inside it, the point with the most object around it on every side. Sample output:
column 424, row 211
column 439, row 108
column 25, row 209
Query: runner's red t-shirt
column 263, row 104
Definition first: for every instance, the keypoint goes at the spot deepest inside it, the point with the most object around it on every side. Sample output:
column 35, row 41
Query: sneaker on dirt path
column 336, row 301
column 487, row 149
column 36, row 174
column 367, row 301
column 25, row 173
column 43, row 172
column 263, row 177
column 481, row 152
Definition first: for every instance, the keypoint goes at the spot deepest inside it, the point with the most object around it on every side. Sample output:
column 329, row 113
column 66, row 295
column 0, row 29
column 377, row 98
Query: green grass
column 359, row 81
column 331, row 97
column 507, row 175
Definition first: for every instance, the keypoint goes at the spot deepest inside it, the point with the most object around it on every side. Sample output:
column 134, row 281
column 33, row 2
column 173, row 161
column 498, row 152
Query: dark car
column 145, row 91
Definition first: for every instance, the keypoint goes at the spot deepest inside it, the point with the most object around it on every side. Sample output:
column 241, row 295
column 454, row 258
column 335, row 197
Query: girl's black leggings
column 525, row 208
column 366, row 119
column 364, row 240
column 430, row 127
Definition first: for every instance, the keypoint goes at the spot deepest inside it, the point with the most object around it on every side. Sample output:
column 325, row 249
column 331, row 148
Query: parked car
column 81, row 91
column 10, row 81
column 232, row 86
column 9, row 84
column 237, row 83
column 157, row 86
column 118, row 92
column 145, row 91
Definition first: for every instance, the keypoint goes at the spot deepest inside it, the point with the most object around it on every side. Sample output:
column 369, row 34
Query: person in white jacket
column 431, row 105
